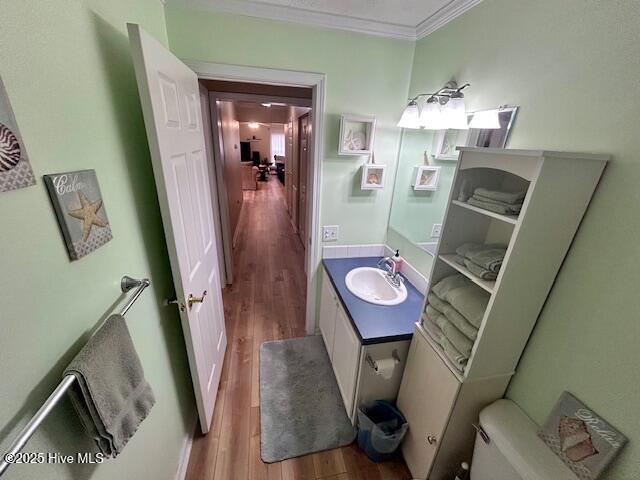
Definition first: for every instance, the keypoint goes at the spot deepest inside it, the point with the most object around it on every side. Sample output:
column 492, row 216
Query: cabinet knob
column 431, row 439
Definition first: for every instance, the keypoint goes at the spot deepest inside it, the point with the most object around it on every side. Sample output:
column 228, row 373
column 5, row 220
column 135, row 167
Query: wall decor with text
column 15, row 170
column 584, row 441
column 81, row 213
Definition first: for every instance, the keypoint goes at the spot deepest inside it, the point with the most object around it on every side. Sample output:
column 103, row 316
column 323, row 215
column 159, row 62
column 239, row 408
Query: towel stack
column 484, row 261
column 454, row 313
column 496, row 201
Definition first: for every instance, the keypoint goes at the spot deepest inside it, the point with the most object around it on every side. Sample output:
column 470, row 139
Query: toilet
column 513, row 450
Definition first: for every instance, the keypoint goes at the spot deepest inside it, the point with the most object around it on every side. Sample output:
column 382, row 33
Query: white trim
column 252, row 97
column 303, row 16
column 452, row 10
column 183, row 463
column 317, row 81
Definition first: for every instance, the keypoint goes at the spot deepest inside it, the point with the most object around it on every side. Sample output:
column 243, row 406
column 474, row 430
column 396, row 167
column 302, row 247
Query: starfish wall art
column 78, row 204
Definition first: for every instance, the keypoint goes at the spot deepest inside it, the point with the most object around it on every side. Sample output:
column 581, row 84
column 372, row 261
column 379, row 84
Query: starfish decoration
column 88, row 213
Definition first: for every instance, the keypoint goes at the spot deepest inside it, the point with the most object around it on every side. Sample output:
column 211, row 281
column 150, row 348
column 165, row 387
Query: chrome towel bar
column 126, row 284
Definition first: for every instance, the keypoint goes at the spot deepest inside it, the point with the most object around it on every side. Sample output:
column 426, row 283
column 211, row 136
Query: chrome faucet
column 393, row 277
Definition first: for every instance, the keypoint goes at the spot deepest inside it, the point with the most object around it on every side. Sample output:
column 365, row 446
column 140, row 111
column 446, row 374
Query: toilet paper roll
column 386, row 366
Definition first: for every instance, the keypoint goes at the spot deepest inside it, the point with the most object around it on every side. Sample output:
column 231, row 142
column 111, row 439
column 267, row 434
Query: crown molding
column 453, row 9
column 302, row 16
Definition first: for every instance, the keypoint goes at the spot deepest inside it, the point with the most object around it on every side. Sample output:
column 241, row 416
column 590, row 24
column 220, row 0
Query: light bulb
column 454, row 114
column 410, row 116
column 431, row 116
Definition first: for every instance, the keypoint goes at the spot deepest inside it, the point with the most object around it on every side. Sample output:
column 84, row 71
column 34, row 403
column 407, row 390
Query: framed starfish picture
column 80, row 210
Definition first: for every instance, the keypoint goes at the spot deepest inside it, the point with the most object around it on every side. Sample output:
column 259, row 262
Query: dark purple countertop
column 374, row 323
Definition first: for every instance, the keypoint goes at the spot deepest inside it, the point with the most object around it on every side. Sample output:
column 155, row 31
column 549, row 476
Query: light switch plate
column 330, row 233
column 436, row 230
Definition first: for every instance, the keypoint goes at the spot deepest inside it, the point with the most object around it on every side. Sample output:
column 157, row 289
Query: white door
column 171, row 106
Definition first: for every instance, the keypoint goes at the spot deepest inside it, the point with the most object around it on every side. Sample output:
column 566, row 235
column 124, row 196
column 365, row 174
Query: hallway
column 266, row 302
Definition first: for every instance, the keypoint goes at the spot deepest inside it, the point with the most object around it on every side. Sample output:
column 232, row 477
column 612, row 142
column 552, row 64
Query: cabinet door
column 346, row 357
column 426, row 398
column 328, row 310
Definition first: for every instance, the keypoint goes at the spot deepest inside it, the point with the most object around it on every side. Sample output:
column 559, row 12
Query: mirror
column 421, row 190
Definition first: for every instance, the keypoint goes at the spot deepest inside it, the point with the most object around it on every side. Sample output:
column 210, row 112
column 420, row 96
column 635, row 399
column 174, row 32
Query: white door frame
column 317, row 82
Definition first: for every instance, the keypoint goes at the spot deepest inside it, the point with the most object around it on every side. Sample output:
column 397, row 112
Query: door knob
column 191, row 300
column 431, row 439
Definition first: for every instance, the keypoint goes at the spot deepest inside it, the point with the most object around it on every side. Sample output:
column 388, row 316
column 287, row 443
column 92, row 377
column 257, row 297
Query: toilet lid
column 515, row 435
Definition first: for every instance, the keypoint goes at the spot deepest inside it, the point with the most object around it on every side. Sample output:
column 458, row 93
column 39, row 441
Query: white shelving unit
column 559, row 187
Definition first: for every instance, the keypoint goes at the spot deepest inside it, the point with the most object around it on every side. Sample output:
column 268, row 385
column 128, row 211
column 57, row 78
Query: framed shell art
column 372, row 176
column 356, row 134
column 81, row 214
column 426, row 177
column 15, row 169
column 583, row 440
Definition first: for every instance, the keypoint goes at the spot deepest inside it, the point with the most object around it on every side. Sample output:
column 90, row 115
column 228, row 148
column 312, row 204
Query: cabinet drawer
column 426, row 398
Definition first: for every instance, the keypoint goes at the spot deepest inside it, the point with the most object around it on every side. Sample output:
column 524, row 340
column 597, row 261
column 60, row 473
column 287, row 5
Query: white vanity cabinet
column 356, row 378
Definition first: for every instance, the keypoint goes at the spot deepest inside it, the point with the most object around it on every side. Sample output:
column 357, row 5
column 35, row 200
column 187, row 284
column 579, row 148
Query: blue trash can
column 381, row 428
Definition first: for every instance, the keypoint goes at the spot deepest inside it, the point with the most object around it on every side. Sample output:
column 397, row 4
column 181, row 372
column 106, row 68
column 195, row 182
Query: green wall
column 67, row 70
column 365, row 75
column 573, row 68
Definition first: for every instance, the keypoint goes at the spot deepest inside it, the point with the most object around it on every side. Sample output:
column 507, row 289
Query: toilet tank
column 514, row 451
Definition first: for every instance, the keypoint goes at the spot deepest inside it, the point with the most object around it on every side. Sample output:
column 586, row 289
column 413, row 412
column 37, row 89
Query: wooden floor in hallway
column 266, row 302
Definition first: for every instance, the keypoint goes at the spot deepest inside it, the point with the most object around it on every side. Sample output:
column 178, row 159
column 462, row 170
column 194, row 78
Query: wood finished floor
column 266, row 302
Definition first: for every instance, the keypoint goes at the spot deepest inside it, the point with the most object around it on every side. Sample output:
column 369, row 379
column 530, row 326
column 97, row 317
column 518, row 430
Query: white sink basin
column 370, row 285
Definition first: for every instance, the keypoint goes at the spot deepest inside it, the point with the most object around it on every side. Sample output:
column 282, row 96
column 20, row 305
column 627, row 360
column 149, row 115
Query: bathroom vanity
column 359, row 334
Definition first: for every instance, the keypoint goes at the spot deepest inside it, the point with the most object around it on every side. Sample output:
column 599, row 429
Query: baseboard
column 186, row 450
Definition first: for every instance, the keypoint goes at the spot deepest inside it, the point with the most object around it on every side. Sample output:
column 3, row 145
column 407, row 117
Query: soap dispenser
column 397, row 262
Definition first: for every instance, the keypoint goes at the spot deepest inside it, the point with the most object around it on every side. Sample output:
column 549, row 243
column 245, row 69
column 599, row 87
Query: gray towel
column 110, row 394
column 453, row 316
column 464, row 296
column 480, row 272
column 442, row 288
column 459, row 360
column 449, row 330
column 504, row 209
column 498, row 196
column 432, row 329
column 489, row 257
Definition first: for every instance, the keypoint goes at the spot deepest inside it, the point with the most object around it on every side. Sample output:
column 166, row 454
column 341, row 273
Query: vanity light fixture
column 485, row 120
column 266, row 105
column 253, row 125
column 441, row 110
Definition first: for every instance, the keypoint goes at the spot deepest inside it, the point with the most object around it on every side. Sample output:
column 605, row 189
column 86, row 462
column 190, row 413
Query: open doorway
column 259, row 144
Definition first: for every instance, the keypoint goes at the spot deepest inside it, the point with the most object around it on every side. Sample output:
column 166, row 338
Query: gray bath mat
column 301, row 410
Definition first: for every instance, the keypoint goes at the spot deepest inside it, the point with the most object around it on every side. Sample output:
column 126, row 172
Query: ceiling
column 255, row 112
column 405, row 19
